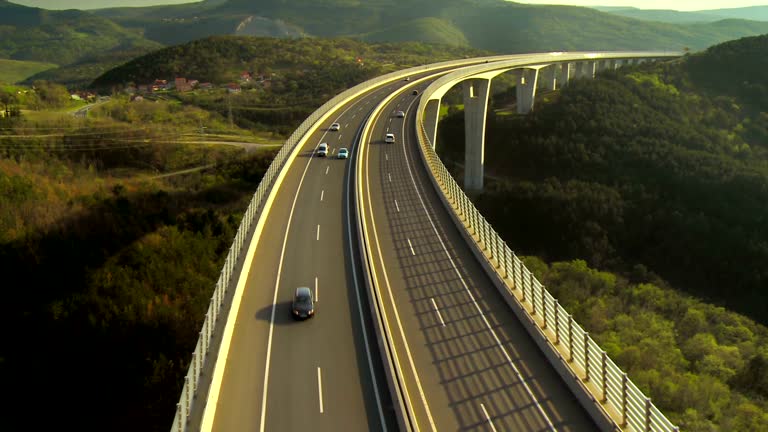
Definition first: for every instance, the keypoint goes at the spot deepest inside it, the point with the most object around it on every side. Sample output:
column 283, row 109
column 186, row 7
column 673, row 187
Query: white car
column 322, row 150
column 389, row 138
column 335, row 126
column 343, row 153
column 400, row 114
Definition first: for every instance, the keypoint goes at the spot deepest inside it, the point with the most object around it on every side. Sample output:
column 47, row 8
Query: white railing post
column 624, row 399
column 586, row 356
column 648, row 414
column 570, row 338
column 604, row 374
column 543, row 309
column 181, row 417
column 557, row 322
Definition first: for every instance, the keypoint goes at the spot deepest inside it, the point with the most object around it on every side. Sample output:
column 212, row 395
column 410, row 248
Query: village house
column 182, row 85
column 233, row 88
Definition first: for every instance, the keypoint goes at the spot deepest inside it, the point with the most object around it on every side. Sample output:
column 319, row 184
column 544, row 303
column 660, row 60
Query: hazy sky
column 642, row 4
column 681, row 5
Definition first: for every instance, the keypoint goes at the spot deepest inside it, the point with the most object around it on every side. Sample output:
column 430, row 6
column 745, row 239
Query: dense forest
column 112, row 266
column 660, row 173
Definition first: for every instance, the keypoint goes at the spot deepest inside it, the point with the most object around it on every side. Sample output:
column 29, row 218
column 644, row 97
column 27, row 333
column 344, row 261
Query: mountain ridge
column 495, row 25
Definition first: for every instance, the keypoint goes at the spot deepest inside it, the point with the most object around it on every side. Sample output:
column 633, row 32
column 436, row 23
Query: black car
column 303, row 305
column 415, row 92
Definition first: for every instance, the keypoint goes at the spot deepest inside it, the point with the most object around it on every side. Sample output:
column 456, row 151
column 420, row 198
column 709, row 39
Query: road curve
column 324, row 373
column 469, row 363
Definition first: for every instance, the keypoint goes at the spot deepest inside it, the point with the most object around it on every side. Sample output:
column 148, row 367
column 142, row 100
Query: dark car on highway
column 303, row 305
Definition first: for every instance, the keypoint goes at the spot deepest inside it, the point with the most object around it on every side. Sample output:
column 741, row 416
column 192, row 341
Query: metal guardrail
column 610, row 386
column 228, row 276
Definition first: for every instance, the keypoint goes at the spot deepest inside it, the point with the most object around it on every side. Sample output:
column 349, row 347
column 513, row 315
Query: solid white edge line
column 394, row 308
column 439, row 316
column 263, row 419
column 469, row 292
column 360, row 302
column 410, row 245
column 487, row 417
column 320, row 388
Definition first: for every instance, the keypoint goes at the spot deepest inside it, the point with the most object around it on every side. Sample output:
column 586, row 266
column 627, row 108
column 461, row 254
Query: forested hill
column 496, row 25
column 737, row 68
column 61, row 37
column 318, row 66
column 661, row 168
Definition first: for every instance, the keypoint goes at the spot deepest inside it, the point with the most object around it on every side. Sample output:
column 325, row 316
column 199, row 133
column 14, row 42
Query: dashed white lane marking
column 472, row 297
column 410, row 245
column 390, row 177
column 320, row 388
column 439, row 316
column 487, row 417
column 339, row 137
column 346, row 125
column 322, row 194
column 326, row 170
column 318, row 231
column 353, row 115
column 397, row 206
column 386, row 155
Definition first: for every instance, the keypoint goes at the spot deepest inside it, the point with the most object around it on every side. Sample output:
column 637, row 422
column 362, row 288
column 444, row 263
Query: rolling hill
column 753, row 13
column 494, row 25
column 62, row 38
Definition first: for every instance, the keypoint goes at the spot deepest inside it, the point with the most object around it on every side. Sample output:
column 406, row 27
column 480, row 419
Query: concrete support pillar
column 565, row 74
column 585, row 69
column 612, row 64
column 431, row 118
column 549, row 77
column 526, row 90
column 476, row 92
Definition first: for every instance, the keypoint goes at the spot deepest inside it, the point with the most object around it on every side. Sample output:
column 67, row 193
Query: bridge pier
column 431, row 118
column 565, row 74
column 549, row 78
column 585, row 69
column 476, row 92
column 526, row 90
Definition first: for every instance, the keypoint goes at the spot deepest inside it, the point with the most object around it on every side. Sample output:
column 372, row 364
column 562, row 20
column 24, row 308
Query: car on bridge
column 335, row 126
column 322, row 150
column 389, row 138
column 343, row 153
column 415, row 92
column 303, row 304
column 400, row 114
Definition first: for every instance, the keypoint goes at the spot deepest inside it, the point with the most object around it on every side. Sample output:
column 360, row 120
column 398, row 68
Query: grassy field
column 13, row 71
